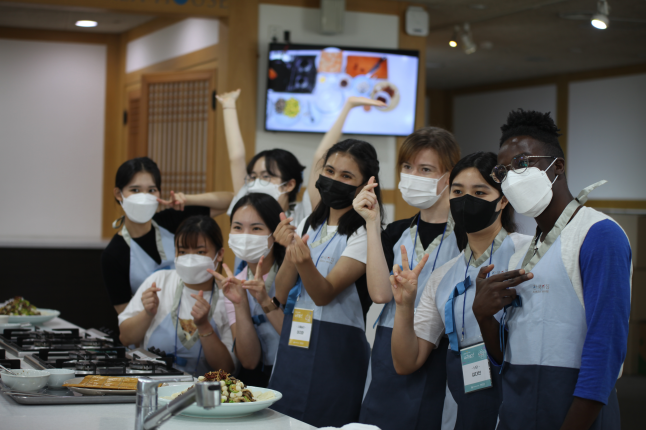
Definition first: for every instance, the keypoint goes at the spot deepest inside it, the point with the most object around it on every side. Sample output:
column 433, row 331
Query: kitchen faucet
column 148, row 417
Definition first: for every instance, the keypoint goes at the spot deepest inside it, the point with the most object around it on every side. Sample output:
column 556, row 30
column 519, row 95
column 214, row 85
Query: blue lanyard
column 410, row 265
column 439, row 248
column 297, row 290
column 459, row 290
column 199, row 355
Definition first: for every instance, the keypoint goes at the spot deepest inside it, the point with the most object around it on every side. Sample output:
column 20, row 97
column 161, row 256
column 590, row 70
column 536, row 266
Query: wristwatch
column 275, row 304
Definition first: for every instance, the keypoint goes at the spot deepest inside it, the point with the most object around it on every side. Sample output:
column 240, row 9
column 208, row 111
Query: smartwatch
column 275, row 304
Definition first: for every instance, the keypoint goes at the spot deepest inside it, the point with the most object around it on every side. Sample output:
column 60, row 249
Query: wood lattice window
column 176, row 126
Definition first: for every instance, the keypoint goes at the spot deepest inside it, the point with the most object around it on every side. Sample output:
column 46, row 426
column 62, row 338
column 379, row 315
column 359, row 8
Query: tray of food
column 238, row 399
column 40, row 393
column 21, row 311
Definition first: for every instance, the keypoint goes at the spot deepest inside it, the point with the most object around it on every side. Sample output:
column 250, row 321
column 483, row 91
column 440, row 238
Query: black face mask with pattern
column 474, row 214
column 335, row 194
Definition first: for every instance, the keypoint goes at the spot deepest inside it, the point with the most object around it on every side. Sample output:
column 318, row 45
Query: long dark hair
column 365, row 156
column 281, row 164
column 484, row 162
column 269, row 210
column 195, row 226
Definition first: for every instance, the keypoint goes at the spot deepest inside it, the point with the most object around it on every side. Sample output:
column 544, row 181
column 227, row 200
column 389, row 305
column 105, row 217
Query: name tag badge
column 475, row 368
column 301, row 328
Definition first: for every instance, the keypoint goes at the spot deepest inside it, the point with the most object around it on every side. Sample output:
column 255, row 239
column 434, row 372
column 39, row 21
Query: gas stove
column 7, row 362
column 21, row 342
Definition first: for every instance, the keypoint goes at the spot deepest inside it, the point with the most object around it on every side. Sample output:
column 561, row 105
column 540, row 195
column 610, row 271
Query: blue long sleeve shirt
column 605, row 263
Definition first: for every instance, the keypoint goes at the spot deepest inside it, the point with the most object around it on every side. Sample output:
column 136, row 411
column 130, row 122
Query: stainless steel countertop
column 122, row 416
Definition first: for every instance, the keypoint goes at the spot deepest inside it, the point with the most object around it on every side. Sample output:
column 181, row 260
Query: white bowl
column 225, row 410
column 57, row 377
column 27, row 379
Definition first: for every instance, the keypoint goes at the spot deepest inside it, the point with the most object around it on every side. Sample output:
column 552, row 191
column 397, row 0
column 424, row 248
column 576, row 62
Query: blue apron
column 546, row 337
column 476, row 410
column 141, row 264
column 172, row 339
column 419, row 398
column 323, row 384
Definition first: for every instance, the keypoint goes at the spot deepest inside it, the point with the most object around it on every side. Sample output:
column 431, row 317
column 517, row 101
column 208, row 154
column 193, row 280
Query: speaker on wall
column 416, row 21
column 332, row 16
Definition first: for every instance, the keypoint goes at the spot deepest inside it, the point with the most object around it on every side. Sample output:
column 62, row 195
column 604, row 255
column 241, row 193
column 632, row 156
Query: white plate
column 45, row 315
column 225, row 410
column 97, row 391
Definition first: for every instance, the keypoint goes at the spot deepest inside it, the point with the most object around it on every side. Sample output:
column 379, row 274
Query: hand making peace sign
column 404, row 281
column 230, row 286
column 256, row 286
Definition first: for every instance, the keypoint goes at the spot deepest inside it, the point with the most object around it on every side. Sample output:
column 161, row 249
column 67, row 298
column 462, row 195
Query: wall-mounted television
column 307, row 86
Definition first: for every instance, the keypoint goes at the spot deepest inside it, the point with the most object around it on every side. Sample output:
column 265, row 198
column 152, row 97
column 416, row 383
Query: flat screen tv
column 307, row 86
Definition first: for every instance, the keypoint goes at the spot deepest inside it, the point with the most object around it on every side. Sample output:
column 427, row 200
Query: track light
column 467, row 40
column 454, row 39
column 600, row 19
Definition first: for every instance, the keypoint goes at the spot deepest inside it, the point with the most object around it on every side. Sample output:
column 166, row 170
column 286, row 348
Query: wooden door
column 176, row 128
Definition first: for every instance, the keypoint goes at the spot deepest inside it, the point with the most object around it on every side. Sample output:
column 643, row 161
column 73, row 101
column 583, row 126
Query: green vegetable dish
column 19, row 307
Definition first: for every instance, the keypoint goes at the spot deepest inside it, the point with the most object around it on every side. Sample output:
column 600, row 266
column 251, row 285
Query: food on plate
column 280, row 105
column 292, row 108
column 233, row 390
column 272, row 74
column 357, row 65
column 330, row 62
column 19, row 306
column 106, row 383
column 344, row 83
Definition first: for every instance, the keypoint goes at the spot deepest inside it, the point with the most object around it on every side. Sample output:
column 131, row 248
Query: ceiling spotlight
column 600, row 19
column 454, row 39
column 86, row 23
column 467, row 40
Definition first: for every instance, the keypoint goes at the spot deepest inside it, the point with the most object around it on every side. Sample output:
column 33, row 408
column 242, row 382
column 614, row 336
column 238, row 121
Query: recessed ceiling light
column 86, row 23
column 454, row 39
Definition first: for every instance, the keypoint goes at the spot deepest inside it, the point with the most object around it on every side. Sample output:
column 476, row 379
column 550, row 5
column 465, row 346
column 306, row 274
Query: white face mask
column 257, row 187
column 418, row 191
column 249, row 247
column 192, row 268
column 530, row 192
column 265, row 187
column 140, row 207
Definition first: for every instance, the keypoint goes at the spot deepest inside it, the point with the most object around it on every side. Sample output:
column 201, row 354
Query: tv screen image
column 308, row 85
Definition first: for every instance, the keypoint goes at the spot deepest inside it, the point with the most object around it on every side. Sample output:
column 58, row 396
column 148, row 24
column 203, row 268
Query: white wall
column 477, row 119
column 607, row 137
column 52, row 102
column 361, row 30
column 186, row 36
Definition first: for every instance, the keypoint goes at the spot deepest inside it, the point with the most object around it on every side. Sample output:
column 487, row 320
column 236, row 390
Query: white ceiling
column 517, row 39
column 63, row 18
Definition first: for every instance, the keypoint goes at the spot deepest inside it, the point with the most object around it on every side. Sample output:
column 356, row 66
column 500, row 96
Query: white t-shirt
column 428, row 320
column 357, row 247
column 168, row 281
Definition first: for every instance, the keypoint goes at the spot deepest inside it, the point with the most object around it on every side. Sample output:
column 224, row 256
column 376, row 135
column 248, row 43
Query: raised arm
column 247, row 344
column 409, row 351
column 329, row 139
column 217, row 201
column 235, row 145
column 377, row 272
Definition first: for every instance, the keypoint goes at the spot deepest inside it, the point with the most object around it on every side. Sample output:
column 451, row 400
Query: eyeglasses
column 263, row 182
column 518, row 165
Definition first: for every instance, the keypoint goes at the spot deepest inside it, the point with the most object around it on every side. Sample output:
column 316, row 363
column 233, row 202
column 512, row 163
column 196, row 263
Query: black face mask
column 335, row 194
column 474, row 214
